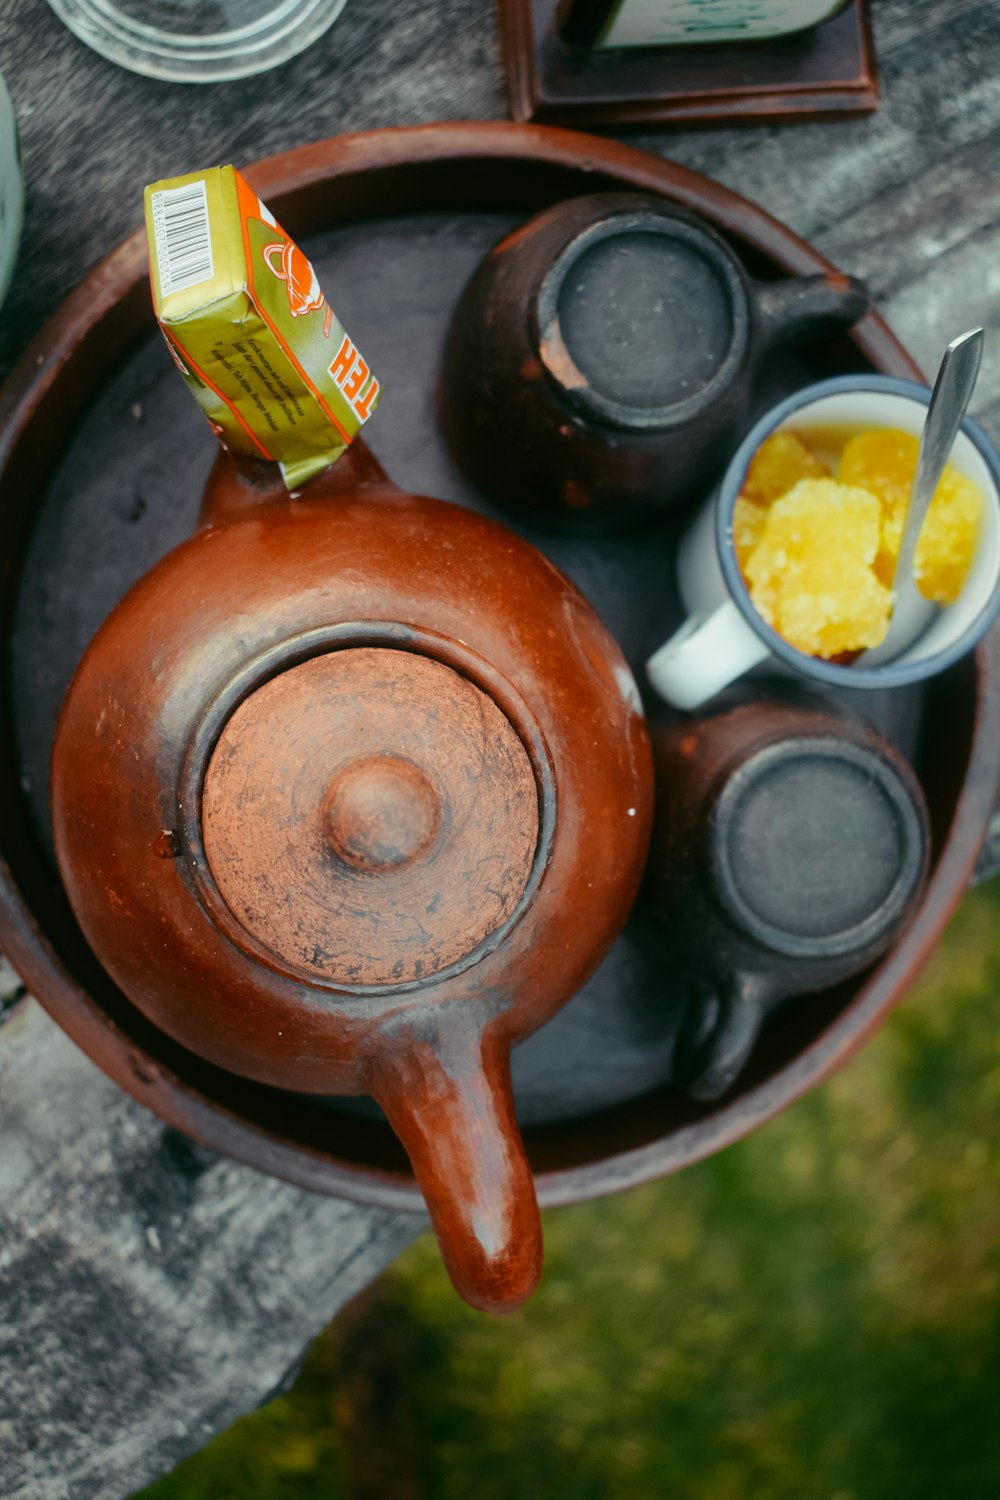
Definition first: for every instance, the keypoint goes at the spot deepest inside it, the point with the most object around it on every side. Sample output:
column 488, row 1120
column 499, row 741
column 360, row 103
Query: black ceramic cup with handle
column 790, row 848
column 601, row 364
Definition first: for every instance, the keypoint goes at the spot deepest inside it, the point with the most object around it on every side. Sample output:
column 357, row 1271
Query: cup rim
column 871, row 930
column 669, row 223
column 892, row 674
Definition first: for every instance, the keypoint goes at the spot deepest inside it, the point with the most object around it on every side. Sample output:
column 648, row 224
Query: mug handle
column 704, row 656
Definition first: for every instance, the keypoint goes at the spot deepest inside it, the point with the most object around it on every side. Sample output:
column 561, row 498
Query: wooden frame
column 827, row 71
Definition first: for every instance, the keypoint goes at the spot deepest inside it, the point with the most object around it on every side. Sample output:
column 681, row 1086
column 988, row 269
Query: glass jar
column 669, row 23
column 188, row 41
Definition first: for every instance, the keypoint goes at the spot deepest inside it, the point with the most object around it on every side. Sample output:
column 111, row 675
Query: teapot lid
column 369, row 818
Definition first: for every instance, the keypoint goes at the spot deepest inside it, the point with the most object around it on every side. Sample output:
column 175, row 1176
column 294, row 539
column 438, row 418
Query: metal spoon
column 956, row 380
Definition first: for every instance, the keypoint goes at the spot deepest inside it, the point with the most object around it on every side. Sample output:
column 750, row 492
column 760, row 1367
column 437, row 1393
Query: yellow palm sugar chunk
column 949, row 538
column 779, row 463
column 885, row 462
column 811, row 574
column 748, row 528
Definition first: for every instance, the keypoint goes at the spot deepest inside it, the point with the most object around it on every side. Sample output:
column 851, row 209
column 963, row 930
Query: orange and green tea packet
column 251, row 332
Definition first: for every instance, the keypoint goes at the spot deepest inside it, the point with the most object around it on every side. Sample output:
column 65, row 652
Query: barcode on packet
column 183, row 237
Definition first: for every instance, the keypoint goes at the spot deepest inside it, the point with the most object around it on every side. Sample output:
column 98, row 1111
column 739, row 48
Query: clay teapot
column 602, row 363
column 351, row 792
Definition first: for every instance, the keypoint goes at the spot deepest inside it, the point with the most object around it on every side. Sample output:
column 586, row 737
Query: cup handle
column 704, row 656
column 720, row 1028
column 805, row 306
column 268, row 252
column 445, row 1089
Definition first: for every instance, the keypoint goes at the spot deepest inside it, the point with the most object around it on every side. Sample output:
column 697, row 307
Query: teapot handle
column 808, row 306
column 237, row 483
column 445, row 1089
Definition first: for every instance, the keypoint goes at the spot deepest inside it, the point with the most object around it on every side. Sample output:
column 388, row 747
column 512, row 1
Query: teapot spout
column 446, row 1092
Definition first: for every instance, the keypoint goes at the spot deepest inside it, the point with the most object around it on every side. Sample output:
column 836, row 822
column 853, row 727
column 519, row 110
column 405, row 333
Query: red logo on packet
column 304, row 294
column 350, row 371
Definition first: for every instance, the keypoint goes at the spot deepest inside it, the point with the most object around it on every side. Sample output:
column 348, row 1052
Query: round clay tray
column 102, row 460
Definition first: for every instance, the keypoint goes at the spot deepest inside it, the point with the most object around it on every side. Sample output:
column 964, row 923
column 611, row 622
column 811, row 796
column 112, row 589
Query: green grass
column 811, row 1315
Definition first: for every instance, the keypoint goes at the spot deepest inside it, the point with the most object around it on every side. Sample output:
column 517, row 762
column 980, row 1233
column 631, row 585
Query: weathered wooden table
column 150, row 1293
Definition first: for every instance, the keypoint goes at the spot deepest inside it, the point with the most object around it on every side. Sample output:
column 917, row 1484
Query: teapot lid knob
column 381, row 812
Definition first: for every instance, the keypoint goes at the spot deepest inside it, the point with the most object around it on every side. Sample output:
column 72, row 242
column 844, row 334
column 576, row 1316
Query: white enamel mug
column 724, row 636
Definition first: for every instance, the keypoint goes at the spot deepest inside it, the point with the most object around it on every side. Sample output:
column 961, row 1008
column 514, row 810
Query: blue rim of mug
column 892, row 674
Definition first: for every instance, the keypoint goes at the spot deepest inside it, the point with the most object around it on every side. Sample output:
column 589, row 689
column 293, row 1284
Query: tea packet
column 249, row 328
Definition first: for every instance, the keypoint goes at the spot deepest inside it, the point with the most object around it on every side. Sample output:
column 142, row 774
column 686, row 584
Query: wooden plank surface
column 149, row 1292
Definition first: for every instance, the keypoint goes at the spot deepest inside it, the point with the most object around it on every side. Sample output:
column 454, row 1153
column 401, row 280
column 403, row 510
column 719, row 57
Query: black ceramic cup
column 601, row 363
column 790, row 847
